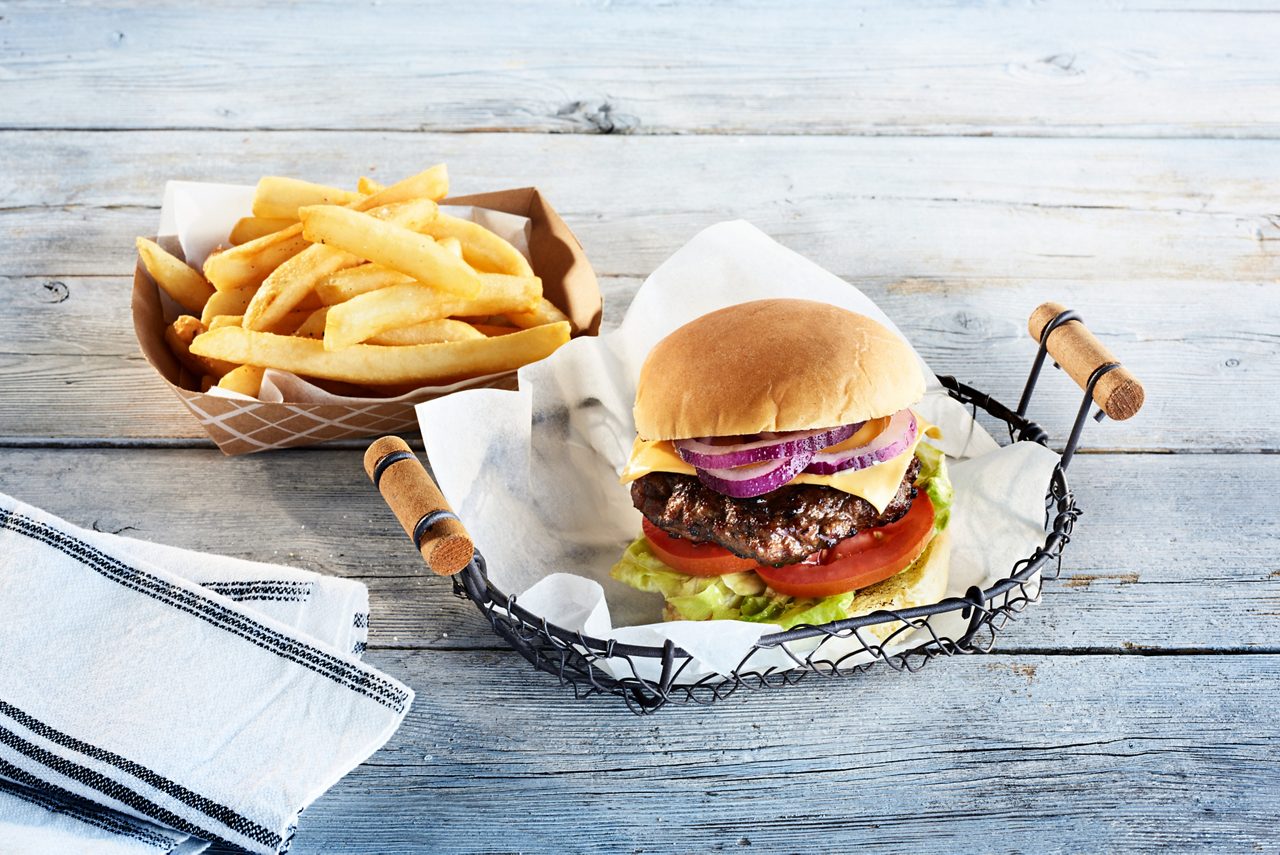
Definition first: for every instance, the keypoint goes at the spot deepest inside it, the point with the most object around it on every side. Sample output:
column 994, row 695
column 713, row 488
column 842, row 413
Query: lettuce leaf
column 734, row 596
column 688, row 597
column 744, row 596
column 933, row 479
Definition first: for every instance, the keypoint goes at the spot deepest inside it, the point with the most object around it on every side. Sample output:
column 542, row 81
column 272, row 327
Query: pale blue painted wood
column 1052, row 69
column 1131, row 711
column 958, row 247
column 981, row 754
column 1139, row 576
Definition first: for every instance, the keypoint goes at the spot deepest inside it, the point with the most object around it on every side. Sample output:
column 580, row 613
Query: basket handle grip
column 1118, row 392
column 418, row 504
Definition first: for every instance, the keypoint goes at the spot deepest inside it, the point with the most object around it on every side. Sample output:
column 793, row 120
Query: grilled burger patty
column 778, row 528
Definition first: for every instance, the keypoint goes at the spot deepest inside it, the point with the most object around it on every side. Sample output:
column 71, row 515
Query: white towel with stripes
column 154, row 699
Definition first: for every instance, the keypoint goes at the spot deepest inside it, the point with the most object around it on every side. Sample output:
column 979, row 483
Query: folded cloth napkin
column 153, row 699
column 327, row 608
column 34, row 820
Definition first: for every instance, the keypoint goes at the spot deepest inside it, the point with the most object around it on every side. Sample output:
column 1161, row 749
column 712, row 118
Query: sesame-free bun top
column 773, row 365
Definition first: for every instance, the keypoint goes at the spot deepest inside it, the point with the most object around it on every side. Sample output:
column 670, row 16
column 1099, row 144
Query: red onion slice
column 892, row 441
column 743, row 482
column 701, row 454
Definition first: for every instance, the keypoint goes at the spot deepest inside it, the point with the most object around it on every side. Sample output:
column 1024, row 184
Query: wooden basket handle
column 417, row 502
column 1078, row 351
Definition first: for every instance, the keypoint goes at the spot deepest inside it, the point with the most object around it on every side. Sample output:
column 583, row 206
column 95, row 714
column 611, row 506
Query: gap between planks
column 1078, row 133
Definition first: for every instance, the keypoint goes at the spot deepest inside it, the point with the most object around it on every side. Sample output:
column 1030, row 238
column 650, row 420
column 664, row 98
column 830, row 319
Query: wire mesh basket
column 649, row 677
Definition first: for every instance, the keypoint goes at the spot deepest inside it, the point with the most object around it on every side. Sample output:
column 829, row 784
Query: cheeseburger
column 781, row 471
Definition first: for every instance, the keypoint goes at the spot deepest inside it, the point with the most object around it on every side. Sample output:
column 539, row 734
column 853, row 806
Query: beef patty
column 781, row 527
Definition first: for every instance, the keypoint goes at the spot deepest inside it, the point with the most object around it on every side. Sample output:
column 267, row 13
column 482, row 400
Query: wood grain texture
column 961, row 162
column 1113, row 211
column 1097, row 754
column 1169, row 69
column 1141, row 574
column 68, row 342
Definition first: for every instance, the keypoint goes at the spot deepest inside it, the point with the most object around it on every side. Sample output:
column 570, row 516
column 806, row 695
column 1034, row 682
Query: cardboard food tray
column 239, row 426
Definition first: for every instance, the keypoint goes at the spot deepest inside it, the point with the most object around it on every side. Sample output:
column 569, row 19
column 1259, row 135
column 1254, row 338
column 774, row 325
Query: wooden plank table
column 960, row 162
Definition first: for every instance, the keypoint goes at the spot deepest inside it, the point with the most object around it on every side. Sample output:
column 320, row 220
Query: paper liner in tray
column 534, row 473
column 239, row 425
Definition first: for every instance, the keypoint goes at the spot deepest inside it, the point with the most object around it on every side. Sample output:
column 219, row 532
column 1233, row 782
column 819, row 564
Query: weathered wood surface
column 958, row 247
column 68, row 342
column 948, row 209
column 1053, row 754
column 1141, row 574
column 1149, row 69
column 961, row 162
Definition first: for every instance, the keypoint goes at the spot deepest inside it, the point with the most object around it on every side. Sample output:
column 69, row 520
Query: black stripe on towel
column 208, row 807
column 59, row 801
column 101, row 783
column 266, row 590
column 348, row 674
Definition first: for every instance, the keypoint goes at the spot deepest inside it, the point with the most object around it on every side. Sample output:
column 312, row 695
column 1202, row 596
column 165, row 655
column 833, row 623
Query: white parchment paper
column 201, row 214
column 534, row 473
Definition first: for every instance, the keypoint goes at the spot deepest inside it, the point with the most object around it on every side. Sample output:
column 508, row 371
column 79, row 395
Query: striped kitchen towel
column 327, row 608
column 153, row 699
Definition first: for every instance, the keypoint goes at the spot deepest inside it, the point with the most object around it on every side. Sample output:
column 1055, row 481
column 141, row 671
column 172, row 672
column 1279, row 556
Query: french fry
column 185, row 328
column 372, row 364
column 394, row 306
column 234, row 303
column 430, row 184
column 247, row 380
column 501, row 289
column 453, row 245
column 481, row 248
column 428, row 332
column 390, row 245
column 227, row 303
column 252, row 228
column 367, row 293
column 184, row 284
column 313, row 326
column 249, row 263
column 353, row 281
column 280, row 198
column 292, row 281
column 545, row 312
column 179, row 335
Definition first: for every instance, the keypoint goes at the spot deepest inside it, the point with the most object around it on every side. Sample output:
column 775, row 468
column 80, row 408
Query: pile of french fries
column 372, row 292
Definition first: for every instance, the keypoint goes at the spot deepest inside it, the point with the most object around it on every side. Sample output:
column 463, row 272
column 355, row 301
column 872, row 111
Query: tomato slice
column 856, row 562
column 694, row 559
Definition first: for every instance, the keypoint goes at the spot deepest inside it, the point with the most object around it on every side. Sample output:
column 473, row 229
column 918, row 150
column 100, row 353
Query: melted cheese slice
column 877, row 484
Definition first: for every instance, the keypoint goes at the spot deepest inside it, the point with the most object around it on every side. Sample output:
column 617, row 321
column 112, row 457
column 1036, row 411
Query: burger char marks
column 781, row 527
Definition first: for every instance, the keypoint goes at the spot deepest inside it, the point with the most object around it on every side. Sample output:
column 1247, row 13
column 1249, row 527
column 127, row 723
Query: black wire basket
column 648, row 677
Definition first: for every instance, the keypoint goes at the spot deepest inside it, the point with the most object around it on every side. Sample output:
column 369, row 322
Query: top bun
column 773, row 365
